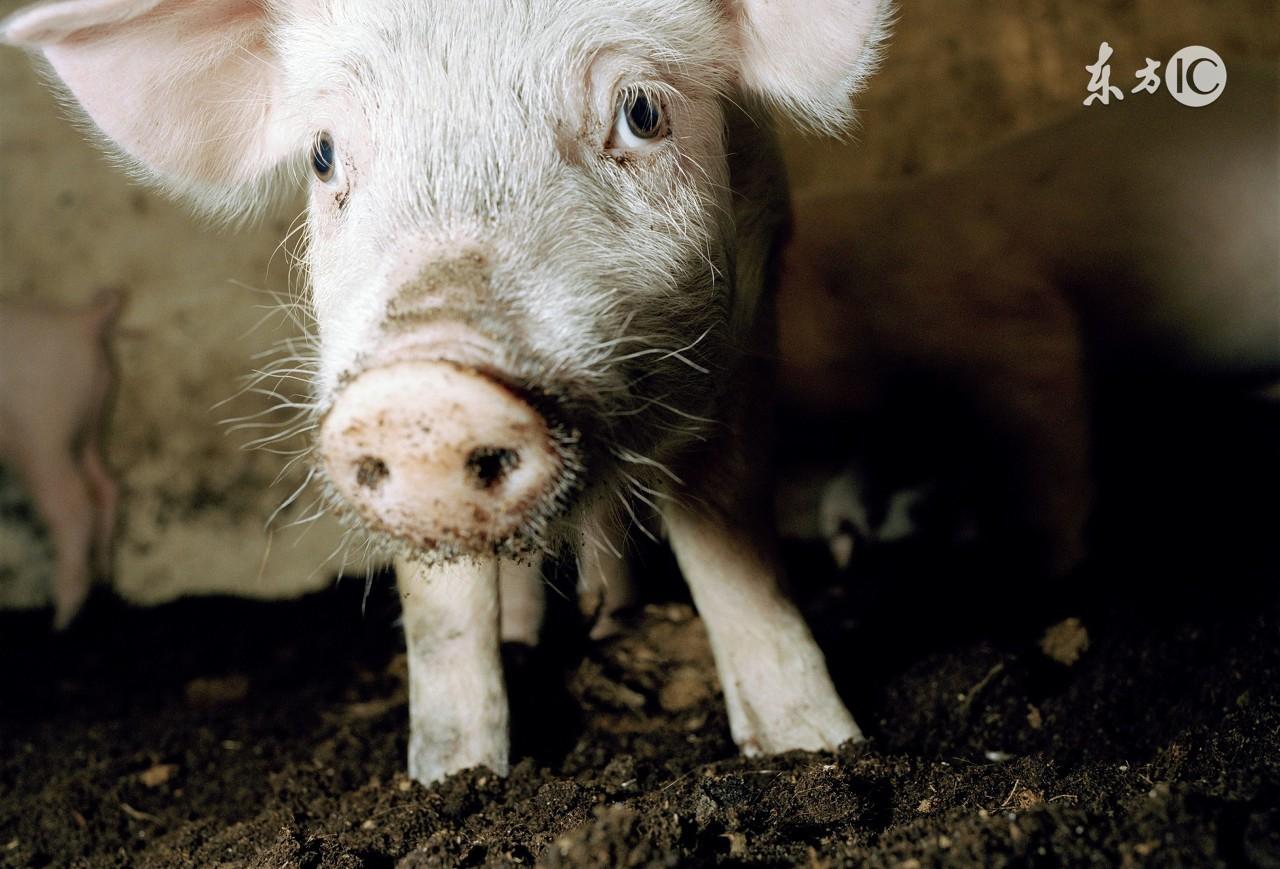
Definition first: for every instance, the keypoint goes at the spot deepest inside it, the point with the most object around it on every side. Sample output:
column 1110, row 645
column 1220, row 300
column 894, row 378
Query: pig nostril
column 371, row 471
column 489, row 466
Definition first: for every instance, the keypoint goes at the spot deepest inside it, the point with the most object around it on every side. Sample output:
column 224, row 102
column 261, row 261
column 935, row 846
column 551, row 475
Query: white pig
column 55, row 381
column 539, row 237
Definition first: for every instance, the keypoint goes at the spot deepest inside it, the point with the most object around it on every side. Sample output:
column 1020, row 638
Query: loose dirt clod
column 157, row 775
column 216, row 690
column 1066, row 641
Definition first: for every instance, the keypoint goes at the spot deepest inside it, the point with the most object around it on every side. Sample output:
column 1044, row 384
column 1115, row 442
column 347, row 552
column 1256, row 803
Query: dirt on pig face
column 220, row 732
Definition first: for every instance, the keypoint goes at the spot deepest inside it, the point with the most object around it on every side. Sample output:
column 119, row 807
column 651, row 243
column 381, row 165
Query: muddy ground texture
column 1128, row 716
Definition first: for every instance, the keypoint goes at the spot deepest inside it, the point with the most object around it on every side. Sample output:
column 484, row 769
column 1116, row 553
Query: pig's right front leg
column 457, row 697
column 776, row 686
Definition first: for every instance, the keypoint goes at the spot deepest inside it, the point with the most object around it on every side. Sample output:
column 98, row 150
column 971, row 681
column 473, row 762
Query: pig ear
column 809, row 57
column 187, row 91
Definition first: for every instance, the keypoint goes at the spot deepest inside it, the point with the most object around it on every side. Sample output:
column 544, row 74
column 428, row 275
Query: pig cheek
column 339, row 283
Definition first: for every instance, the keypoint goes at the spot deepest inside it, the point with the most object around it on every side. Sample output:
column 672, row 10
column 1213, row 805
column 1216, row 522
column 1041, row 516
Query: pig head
column 539, row 235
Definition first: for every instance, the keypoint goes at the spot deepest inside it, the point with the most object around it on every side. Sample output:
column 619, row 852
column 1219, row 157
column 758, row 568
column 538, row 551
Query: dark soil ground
column 1146, row 732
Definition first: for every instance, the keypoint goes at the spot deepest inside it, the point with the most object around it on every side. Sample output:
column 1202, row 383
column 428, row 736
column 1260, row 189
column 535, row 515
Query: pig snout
column 440, row 456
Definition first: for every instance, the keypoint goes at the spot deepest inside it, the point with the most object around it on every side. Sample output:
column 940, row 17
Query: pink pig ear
column 809, row 57
column 187, row 91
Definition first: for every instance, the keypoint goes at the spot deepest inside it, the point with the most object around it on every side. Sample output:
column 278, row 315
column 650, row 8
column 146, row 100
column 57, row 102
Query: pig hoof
column 428, row 767
column 66, row 610
column 802, row 728
column 774, row 710
column 606, row 626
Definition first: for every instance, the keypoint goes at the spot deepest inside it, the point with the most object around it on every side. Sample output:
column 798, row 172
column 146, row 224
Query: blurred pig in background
column 970, row 318
column 56, row 381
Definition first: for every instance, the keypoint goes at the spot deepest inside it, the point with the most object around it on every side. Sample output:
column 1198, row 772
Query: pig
column 849, row 518
column 540, row 238
column 875, row 481
column 1138, row 239
column 55, row 384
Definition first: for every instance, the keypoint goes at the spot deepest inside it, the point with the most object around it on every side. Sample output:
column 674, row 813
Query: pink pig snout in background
column 55, row 383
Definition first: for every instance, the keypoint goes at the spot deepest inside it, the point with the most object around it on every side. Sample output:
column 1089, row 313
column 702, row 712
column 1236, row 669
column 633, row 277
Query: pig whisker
column 294, row 453
column 284, row 505
column 309, row 519
column 284, row 404
column 272, row 311
column 596, row 357
column 282, row 371
column 344, row 547
column 635, row 491
column 285, row 435
column 288, row 466
column 294, row 346
column 659, row 402
column 253, row 426
column 371, row 548
column 341, row 542
column 640, row 497
column 286, row 350
column 279, row 298
column 266, row 552
column 637, row 485
column 278, row 450
column 622, row 339
column 549, row 583
column 296, row 226
column 595, row 542
column 301, row 421
column 666, row 354
column 626, row 503
column 254, row 385
column 241, row 423
column 630, row 457
column 368, row 587
column 280, row 375
column 347, row 544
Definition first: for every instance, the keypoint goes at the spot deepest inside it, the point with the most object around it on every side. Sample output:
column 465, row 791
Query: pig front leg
column 605, row 586
column 523, row 601
column 457, row 697
column 775, row 681
column 63, row 501
column 106, row 495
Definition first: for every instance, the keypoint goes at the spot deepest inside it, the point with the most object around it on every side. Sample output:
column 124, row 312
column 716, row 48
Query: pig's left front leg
column 775, row 681
column 457, row 697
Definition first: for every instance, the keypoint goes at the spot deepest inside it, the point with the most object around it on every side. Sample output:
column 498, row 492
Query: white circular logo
column 1196, row 76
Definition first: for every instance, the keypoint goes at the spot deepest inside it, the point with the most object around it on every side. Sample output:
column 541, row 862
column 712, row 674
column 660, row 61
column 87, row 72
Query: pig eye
column 640, row 121
column 323, row 157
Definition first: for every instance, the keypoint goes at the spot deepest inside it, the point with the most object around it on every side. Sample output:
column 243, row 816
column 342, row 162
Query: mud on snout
column 444, row 460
